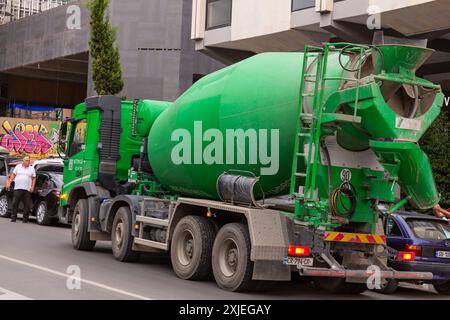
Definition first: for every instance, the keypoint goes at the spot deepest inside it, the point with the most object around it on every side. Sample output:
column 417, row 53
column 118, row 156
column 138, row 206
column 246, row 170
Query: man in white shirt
column 24, row 178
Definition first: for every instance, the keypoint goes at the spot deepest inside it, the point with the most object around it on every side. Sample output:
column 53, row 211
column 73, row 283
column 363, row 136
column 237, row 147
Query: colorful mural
column 34, row 138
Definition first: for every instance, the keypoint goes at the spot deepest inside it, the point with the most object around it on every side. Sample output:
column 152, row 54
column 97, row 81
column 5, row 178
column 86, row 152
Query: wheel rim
column 118, row 234
column 3, row 206
column 40, row 214
column 185, row 248
column 76, row 225
column 229, row 257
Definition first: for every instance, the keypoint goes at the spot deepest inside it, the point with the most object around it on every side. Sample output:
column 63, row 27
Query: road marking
column 9, row 295
column 64, row 275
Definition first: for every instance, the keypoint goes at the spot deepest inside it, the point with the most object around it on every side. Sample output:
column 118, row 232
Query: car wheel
column 443, row 288
column 4, row 213
column 42, row 214
column 388, row 288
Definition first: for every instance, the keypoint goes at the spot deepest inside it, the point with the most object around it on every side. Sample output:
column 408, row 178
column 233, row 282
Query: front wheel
column 80, row 222
column 4, row 213
column 121, row 237
column 232, row 267
column 42, row 215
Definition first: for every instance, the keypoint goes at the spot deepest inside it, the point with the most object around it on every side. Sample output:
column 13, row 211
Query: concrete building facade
column 158, row 58
column 230, row 30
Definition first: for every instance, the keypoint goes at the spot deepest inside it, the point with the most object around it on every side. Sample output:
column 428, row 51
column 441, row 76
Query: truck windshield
column 429, row 229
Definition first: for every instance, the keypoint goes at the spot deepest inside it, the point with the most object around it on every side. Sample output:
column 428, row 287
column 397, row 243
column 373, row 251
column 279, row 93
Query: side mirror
column 62, row 140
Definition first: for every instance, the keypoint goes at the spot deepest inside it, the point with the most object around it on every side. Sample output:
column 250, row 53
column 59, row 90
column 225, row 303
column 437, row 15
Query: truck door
column 74, row 165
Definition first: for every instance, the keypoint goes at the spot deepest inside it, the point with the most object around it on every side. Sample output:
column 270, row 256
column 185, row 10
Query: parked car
column 7, row 165
column 49, row 181
column 421, row 243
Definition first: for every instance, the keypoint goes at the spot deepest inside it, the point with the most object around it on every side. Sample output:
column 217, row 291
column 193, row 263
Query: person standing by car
column 24, row 177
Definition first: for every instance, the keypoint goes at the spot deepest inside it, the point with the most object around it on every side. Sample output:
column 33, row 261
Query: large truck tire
column 232, row 267
column 80, row 222
column 122, row 238
column 340, row 286
column 191, row 248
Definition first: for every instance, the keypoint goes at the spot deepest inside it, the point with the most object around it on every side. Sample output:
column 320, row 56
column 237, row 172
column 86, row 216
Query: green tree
column 106, row 68
column 436, row 143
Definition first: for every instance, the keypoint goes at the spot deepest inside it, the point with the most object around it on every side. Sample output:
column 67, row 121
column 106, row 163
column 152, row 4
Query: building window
column 302, row 4
column 305, row 4
column 218, row 14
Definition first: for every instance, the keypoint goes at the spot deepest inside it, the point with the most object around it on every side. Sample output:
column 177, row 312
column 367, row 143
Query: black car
column 49, row 181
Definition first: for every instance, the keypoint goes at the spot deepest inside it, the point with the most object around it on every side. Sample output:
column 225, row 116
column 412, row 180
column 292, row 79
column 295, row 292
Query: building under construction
column 11, row 10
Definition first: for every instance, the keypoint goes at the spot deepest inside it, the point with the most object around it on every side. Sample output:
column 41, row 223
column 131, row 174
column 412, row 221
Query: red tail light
column 299, row 251
column 406, row 256
column 416, row 249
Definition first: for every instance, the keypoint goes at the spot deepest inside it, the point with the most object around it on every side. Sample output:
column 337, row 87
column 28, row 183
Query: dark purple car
column 421, row 243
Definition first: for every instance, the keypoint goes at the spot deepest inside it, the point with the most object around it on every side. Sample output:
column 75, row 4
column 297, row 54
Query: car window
column 41, row 180
column 2, row 168
column 50, row 168
column 392, row 228
column 429, row 229
column 11, row 168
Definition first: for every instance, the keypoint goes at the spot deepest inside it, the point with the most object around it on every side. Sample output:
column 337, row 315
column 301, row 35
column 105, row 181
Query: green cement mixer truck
column 284, row 162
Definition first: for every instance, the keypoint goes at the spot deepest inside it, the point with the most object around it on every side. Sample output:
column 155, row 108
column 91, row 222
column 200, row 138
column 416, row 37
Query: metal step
column 153, row 221
column 152, row 244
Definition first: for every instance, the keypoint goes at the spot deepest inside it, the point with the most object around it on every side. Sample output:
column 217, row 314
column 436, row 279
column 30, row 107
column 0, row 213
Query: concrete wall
column 192, row 62
column 158, row 58
column 41, row 37
column 252, row 18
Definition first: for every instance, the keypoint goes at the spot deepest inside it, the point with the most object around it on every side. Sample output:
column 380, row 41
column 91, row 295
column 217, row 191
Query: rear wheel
column 340, row 286
column 42, row 215
column 80, row 233
column 4, row 213
column 232, row 267
column 191, row 248
column 443, row 288
column 121, row 237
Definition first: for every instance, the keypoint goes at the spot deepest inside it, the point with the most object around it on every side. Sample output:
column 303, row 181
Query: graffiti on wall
column 22, row 137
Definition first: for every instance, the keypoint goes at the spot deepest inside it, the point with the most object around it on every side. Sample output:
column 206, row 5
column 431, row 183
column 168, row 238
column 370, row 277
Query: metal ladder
column 309, row 125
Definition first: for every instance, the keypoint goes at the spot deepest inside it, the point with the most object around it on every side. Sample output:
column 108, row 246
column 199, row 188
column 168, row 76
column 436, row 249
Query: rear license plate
column 443, row 254
column 299, row 262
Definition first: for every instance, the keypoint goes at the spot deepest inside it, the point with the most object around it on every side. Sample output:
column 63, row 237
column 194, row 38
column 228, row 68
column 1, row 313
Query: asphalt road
column 37, row 263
